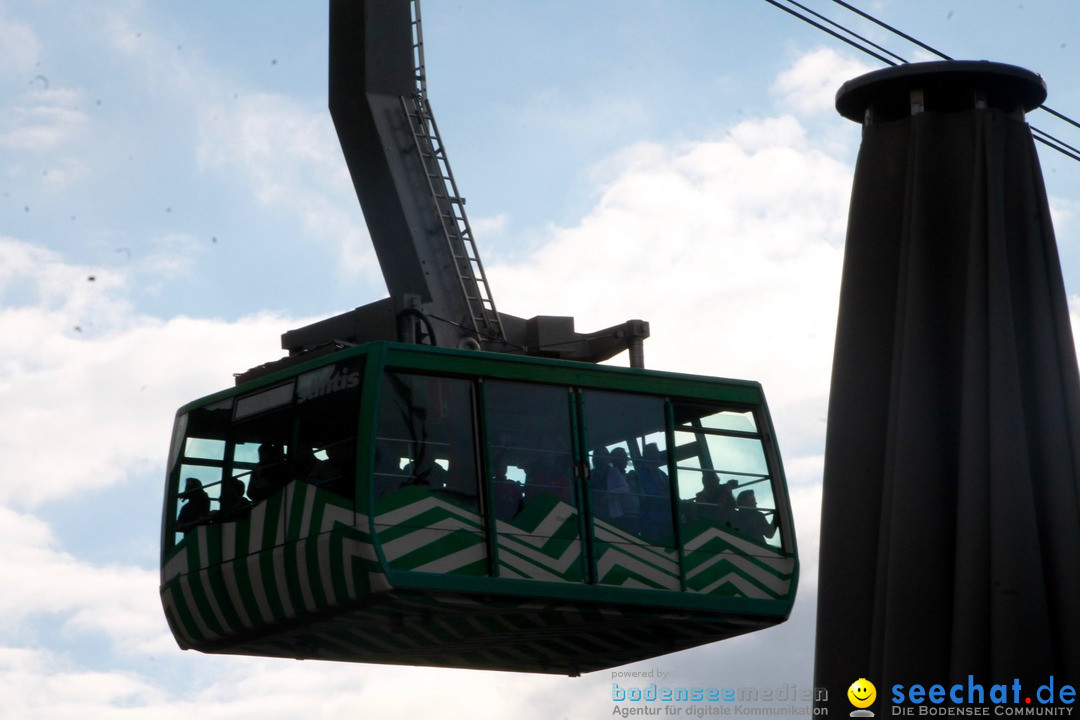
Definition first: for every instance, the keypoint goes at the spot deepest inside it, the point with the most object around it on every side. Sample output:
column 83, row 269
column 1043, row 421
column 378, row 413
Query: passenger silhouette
column 750, row 521
column 655, row 487
column 269, row 475
column 608, row 485
column 716, row 501
column 629, row 494
column 197, row 507
column 233, row 501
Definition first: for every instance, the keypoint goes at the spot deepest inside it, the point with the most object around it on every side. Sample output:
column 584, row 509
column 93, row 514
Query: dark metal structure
column 439, row 292
column 950, row 516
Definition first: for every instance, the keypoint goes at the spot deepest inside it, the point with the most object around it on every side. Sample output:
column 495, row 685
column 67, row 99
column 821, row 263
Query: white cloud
column 809, row 86
column 488, row 226
column 88, row 385
column 36, row 684
column 116, row 603
column 19, row 47
column 85, row 412
column 291, row 158
column 731, row 248
column 65, row 172
column 1062, row 211
column 43, row 120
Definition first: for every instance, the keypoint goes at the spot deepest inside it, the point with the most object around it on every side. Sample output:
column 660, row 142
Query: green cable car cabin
column 480, row 493
column 404, row 504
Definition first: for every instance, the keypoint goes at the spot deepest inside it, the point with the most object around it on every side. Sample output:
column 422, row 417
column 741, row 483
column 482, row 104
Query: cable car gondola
column 404, row 504
column 425, row 480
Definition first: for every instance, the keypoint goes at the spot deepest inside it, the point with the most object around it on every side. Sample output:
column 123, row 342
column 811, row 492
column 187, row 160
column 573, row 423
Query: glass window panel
column 737, row 454
column 246, row 454
column 197, row 498
column 535, row 501
column 630, row 491
column 529, row 430
column 199, row 450
column 724, row 482
column 426, row 430
column 649, row 477
column 204, row 448
column 260, row 454
column 425, row 448
column 621, row 429
column 709, row 417
column 267, row 475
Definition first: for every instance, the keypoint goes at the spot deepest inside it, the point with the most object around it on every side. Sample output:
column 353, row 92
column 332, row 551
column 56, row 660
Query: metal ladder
column 450, row 204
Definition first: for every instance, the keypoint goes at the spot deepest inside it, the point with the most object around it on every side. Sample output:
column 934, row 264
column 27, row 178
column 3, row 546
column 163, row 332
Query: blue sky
column 677, row 161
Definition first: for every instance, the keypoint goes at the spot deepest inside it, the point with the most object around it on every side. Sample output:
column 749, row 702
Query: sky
column 173, row 198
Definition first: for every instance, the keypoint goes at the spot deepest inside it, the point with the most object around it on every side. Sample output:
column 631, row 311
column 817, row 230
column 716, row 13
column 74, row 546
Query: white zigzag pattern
column 615, row 556
column 401, row 515
column 521, row 549
column 179, row 565
column 426, row 536
column 633, row 545
column 767, row 556
column 747, row 588
column 778, row 585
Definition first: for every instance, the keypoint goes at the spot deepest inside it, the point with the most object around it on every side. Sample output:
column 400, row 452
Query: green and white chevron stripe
column 424, row 532
column 720, row 562
column 427, row 532
column 543, row 542
column 304, row 551
column 295, row 554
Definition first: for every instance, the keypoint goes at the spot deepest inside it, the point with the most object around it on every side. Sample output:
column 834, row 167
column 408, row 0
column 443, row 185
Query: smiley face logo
column 862, row 693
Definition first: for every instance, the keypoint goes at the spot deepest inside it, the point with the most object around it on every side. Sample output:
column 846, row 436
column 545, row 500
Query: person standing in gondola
column 197, row 507
column 750, row 521
column 269, row 475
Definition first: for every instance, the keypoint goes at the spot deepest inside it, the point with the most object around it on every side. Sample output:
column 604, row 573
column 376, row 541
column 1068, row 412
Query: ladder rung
column 455, row 226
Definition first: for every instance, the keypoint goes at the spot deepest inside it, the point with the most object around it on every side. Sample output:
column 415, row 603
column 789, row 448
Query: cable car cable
column 943, row 56
column 849, row 31
column 1056, row 114
column 831, row 32
column 891, row 29
column 1041, row 136
column 1052, row 142
column 1057, row 140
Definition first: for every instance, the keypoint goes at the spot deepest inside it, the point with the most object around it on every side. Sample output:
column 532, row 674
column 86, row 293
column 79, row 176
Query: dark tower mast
column 950, row 533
